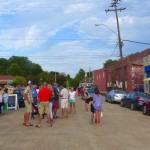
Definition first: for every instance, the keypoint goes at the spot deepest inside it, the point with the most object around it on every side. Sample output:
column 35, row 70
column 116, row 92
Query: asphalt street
column 121, row 129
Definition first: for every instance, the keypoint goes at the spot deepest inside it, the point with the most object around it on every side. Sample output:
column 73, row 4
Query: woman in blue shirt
column 97, row 103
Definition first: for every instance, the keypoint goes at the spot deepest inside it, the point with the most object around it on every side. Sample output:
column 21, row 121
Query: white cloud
column 29, row 25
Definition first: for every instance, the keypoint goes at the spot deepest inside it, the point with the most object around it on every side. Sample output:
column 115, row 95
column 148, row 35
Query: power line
column 115, row 9
column 137, row 42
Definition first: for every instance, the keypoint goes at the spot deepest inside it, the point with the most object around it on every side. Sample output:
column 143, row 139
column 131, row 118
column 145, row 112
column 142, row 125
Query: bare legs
column 72, row 107
column 64, row 112
column 98, row 117
column 86, row 107
column 26, row 118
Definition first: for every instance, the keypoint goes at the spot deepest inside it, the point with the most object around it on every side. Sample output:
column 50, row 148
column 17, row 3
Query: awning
column 146, row 79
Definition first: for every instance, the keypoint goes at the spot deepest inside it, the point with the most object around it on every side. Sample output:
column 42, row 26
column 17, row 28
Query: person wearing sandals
column 97, row 103
column 28, row 99
column 72, row 99
column 44, row 96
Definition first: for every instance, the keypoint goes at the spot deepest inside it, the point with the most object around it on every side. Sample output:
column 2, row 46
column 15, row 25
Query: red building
column 111, row 77
column 100, row 79
column 133, row 71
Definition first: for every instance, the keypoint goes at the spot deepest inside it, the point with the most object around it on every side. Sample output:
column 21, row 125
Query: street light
column 101, row 24
column 120, row 49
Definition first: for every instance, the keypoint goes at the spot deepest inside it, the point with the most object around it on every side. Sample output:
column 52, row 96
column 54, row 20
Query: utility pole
column 115, row 9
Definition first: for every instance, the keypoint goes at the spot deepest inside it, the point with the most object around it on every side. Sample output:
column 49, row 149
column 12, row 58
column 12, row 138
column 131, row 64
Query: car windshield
column 18, row 92
column 143, row 95
column 119, row 92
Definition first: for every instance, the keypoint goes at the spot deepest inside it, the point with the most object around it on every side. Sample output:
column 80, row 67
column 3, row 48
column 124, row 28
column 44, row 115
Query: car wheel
column 111, row 101
column 145, row 110
column 121, row 104
column 132, row 106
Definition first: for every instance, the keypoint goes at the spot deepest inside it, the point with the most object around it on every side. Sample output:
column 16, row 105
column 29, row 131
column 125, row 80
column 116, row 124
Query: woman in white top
column 72, row 99
column 5, row 99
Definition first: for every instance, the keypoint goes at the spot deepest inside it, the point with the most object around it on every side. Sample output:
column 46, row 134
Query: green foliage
column 19, row 81
column 107, row 62
column 75, row 81
column 26, row 70
column 14, row 69
column 4, row 63
column 44, row 76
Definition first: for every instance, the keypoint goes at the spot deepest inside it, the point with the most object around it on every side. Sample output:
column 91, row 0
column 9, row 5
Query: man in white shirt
column 64, row 94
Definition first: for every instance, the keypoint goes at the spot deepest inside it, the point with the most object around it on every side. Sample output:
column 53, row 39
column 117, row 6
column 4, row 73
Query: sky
column 61, row 35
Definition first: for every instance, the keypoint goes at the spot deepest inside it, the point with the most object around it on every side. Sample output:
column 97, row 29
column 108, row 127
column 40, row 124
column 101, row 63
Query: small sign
column 13, row 101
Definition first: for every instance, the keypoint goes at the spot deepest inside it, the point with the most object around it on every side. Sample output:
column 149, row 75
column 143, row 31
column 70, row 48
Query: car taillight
column 138, row 98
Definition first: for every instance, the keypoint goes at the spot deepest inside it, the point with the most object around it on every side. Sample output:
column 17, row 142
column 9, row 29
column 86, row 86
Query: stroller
column 35, row 110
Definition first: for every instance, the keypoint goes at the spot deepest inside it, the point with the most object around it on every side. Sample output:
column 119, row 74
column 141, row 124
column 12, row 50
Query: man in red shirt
column 44, row 96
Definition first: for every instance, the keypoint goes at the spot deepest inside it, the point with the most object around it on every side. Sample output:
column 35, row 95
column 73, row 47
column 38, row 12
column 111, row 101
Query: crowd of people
column 47, row 99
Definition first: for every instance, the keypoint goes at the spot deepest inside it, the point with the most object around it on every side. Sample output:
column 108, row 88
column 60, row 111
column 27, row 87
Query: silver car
column 115, row 96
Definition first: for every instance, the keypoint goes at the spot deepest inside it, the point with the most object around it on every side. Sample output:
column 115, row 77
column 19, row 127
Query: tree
column 80, row 75
column 44, row 76
column 19, row 81
column 14, row 69
column 107, row 62
column 4, row 63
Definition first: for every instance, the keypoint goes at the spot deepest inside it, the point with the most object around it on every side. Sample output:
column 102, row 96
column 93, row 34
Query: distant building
column 147, row 74
column 86, row 81
column 6, row 80
column 100, row 79
column 133, row 71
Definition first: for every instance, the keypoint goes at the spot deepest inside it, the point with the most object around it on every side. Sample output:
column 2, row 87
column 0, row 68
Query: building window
column 99, row 76
column 103, row 75
column 148, row 74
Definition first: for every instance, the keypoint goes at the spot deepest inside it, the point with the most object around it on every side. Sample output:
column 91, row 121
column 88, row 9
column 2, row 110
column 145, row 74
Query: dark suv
column 19, row 93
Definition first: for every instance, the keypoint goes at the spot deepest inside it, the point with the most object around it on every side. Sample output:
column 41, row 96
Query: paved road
column 122, row 129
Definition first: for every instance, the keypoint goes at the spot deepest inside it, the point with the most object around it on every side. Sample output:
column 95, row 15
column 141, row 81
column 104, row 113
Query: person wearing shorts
column 44, row 96
column 97, row 103
column 56, row 100
column 28, row 99
column 64, row 94
column 72, row 99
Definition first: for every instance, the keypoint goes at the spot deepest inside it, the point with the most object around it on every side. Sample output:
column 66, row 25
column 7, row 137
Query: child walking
column 97, row 103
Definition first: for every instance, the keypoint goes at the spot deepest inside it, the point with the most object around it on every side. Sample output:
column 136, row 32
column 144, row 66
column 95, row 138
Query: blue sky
column 60, row 34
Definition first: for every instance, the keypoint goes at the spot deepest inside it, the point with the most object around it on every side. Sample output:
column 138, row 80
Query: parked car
column 134, row 100
column 115, row 96
column 146, row 107
column 19, row 93
column 91, row 91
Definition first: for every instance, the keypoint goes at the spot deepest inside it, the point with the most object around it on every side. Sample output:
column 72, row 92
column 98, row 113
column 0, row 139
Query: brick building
column 133, row 71
column 6, row 79
column 100, row 79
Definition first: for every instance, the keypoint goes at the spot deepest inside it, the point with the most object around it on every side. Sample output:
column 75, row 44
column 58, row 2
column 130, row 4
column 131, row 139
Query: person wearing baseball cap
column 28, row 99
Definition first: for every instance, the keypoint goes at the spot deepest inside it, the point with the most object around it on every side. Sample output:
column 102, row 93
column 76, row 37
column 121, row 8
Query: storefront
column 147, row 74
